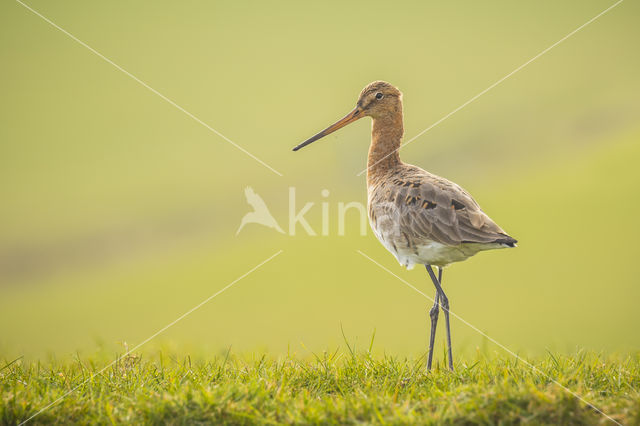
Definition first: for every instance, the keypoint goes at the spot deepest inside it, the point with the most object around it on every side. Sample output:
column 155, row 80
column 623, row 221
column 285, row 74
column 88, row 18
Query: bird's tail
column 507, row 240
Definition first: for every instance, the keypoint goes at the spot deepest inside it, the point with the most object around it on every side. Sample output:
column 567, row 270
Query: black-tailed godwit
column 419, row 217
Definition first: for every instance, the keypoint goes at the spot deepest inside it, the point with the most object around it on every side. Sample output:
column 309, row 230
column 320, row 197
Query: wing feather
column 425, row 207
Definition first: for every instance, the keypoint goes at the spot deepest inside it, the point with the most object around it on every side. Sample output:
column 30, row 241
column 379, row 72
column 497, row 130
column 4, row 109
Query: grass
column 338, row 388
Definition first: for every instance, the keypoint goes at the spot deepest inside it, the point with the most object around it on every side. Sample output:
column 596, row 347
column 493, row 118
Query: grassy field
column 341, row 387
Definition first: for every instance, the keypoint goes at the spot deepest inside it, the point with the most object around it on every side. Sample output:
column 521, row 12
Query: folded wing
column 418, row 206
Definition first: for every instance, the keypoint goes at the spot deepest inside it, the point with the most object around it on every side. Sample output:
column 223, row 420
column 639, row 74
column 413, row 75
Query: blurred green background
column 119, row 212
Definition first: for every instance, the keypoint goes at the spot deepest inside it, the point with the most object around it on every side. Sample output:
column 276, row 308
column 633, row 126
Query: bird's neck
column 386, row 135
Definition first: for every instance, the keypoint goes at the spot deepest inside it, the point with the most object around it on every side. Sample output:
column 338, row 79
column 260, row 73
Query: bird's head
column 377, row 100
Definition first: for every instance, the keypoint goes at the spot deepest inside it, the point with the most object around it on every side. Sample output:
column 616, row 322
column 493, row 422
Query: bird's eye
column 379, row 96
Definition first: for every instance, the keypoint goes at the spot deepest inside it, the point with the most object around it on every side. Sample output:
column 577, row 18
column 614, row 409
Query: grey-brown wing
column 418, row 206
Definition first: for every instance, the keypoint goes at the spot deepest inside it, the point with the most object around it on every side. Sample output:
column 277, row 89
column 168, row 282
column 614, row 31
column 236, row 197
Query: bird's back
column 424, row 218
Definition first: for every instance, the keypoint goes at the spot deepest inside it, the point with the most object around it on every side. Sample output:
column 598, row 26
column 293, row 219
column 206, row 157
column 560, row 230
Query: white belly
column 429, row 252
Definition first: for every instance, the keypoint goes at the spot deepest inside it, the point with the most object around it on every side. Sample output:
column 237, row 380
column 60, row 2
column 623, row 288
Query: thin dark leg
column 433, row 313
column 444, row 302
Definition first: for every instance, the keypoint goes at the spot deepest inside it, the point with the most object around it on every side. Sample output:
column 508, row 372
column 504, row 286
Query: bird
column 421, row 218
column 260, row 213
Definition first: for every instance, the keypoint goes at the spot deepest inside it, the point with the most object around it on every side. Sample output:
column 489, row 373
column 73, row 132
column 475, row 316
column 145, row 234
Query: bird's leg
column 444, row 302
column 433, row 314
column 445, row 309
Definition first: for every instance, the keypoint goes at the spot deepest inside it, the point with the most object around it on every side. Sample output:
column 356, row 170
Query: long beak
column 349, row 118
